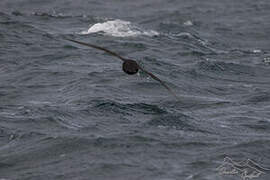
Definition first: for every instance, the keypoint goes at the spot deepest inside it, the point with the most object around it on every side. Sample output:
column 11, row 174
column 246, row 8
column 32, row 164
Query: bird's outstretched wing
column 124, row 59
column 159, row 80
column 97, row 47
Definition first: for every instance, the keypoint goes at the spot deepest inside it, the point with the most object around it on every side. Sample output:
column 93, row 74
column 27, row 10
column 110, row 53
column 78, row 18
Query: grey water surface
column 70, row 112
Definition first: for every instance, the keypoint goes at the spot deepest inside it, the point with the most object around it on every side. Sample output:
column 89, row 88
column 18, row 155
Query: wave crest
column 119, row 28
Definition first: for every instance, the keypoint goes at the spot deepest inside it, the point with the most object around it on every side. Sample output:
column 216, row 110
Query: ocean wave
column 116, row 107
column 119, row 28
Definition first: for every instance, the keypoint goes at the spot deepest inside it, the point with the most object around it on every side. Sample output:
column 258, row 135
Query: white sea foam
column 256, row 51
column 188, row 23
column 119, row 28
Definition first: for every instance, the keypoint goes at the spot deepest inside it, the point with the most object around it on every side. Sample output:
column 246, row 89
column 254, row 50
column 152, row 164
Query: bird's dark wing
column 124, row 59
column 157, row 79
column 98, row 47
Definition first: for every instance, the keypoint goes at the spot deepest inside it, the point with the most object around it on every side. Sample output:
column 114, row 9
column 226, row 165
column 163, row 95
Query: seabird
column 129, row 66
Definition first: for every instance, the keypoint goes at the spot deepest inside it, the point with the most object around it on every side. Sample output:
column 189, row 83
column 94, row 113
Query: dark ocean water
column 70, row 112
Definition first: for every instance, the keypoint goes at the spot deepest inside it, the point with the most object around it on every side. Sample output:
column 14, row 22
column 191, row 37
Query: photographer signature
column 246, row 169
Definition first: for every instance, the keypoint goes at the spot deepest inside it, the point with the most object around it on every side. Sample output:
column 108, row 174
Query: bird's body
column 129, row 66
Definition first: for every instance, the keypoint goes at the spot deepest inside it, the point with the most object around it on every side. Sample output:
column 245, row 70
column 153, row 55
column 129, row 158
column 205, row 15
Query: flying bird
column 129, row 66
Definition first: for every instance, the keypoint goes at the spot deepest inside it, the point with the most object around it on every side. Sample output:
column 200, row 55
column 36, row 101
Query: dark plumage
column 129, row 66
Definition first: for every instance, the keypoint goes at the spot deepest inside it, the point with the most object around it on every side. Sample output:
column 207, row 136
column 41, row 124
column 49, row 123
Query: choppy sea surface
column 70, row 112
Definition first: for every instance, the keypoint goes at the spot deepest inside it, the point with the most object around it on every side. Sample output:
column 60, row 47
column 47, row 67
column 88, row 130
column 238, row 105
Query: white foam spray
column 119, row 28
